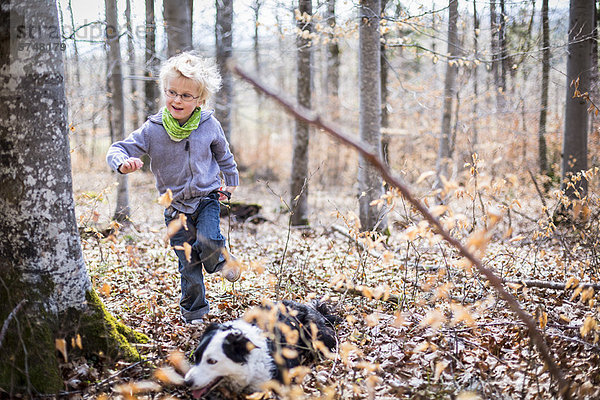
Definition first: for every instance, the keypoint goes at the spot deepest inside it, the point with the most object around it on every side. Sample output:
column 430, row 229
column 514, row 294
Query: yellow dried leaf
column 187, row 249
column 478, row 240
column 179, row 361
column 166, row 199
column 105, row 290
column 466, row 395
column 173, row 227
column 289, row 353
column 438, row 210
column 517, row 238
column 461, row 314
column 587, row 294
column 572, row 282
column 543, row 319
column 61, row 345
column 434, row 318
column 424, row 176
column 440, row 366
column 168, row 376
column 589, row 325
column 576, row 292
column 367, row 292
column 183, row 220
column 137, row 387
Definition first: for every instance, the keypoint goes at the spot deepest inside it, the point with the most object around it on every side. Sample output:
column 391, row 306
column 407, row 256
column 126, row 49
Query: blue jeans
column 204, row 236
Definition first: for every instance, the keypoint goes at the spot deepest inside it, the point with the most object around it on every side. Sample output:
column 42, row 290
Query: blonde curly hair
column 202, row 71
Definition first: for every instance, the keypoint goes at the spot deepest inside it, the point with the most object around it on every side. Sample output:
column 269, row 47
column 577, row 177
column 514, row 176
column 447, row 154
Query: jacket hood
column 157, row 118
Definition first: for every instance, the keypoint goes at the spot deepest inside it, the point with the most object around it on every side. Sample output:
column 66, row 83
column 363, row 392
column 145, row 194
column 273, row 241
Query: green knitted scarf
column 177, row 132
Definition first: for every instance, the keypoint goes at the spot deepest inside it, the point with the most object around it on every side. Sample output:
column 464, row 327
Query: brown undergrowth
column 418, row 322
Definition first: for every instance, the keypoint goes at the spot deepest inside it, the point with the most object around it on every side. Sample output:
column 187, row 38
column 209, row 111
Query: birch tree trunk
column 581, row 26
column 445, row 145
column 115, row 79
column 299, row 180
column 45, row 291
column 542, row 149
column 370, row 184
column 178, row 20
column 224, row 45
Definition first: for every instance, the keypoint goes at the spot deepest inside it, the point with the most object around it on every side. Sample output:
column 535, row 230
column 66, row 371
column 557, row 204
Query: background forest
column 471, row 114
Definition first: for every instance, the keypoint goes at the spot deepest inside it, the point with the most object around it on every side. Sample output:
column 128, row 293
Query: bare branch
column 311, row 117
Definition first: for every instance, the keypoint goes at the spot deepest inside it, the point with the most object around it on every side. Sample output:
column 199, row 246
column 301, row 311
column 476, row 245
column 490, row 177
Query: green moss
column 101, row 332
column 28, row 362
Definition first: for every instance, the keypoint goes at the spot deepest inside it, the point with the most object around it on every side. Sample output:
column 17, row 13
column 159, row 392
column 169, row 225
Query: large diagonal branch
column 313, row 118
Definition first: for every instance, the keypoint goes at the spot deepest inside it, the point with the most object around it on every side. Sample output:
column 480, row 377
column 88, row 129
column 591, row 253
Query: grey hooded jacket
column 190, row 168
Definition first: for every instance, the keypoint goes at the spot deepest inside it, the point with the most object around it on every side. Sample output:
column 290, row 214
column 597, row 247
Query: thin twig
column 313, row 118
column 8, row 319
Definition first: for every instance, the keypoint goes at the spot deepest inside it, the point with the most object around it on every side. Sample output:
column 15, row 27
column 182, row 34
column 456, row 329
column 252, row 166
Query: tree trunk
column 131, row 55
column 385, row 137
column 256, row 47
column 178, row 20
column 122, row 211
column 151, row 71
column 333, row 56
column 75, row 49
column 45, row 291
column 474, row 137
column 370, row 184
column 581, row 25
column 504, row 62
column 495, row 51
column 542, row 149
column 224, row 45
column 444, row 151
column 299, row 181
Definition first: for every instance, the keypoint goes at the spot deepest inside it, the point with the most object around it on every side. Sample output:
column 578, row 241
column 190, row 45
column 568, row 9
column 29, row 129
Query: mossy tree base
column 29, row 361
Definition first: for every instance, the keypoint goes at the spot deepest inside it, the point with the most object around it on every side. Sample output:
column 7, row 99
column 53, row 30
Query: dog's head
column 222, row 353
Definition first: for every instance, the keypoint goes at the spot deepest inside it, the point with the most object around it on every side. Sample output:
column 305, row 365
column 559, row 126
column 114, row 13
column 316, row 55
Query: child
column 188, row 151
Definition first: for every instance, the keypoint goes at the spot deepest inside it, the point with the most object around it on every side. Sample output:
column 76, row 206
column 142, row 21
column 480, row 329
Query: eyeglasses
column 185, row 97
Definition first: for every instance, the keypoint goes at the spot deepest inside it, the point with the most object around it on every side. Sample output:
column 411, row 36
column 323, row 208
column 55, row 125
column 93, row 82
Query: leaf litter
column 418, row 321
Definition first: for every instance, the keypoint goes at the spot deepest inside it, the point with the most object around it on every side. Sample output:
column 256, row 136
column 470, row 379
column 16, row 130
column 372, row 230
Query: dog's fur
column 246, row 353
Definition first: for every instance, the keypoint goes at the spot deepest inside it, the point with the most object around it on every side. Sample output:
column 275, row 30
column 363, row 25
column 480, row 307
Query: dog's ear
column 237, row 347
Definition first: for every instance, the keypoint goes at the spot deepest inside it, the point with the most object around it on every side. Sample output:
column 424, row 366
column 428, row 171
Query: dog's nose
column 188, row 381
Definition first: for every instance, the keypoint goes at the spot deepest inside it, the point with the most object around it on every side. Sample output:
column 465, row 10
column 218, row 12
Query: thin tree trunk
column 581, row 26
column 474, row 138
column 178, row 22
column 131, row 54
column 504, row 62
column 115, row 77
column 495, row 51
column 224, row 45
column 299, row 181
column 542, row 149
column 444, row 151
column 385, row 137
column 370, row 184
column 75, row 49
column 151, row 61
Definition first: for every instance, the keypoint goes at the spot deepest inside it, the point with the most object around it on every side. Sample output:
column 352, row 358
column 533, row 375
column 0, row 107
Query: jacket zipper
column 189, row 157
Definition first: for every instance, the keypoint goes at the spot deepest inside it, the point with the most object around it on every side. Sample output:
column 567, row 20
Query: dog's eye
column 211, row 361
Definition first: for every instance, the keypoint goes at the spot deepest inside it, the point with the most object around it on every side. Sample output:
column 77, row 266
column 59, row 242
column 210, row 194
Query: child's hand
column 130, row 165
column 229, row 189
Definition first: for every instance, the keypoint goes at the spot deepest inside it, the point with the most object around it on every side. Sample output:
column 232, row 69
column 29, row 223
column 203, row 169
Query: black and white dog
column 248, row 352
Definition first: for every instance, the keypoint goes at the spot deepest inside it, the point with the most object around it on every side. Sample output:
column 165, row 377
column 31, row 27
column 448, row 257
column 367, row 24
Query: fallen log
column 550, row 284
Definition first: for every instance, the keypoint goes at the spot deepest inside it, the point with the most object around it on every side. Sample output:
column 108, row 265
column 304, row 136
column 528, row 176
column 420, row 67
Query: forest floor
column 416, row 321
